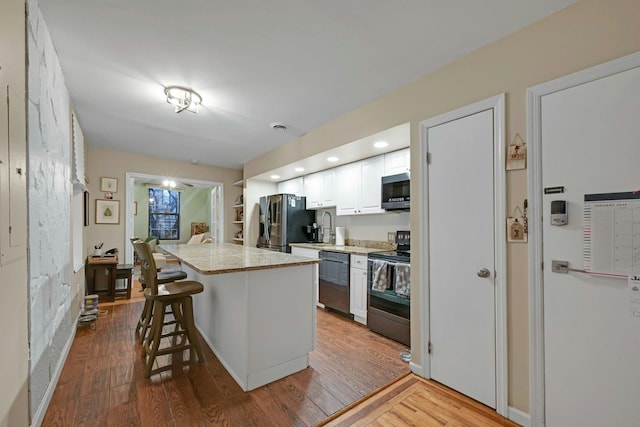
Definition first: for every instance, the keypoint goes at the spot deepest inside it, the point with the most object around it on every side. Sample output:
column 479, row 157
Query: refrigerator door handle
column 267, row 221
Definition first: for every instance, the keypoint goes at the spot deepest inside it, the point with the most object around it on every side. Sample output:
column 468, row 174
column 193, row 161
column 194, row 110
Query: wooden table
column 125, row 271
column 100, row 274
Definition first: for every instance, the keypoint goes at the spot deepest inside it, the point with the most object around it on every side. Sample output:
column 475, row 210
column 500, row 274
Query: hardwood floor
column 414, row 401
column 102, row 382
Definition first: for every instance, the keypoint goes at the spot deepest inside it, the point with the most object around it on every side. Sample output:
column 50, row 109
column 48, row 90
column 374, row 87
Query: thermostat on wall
column 559, row 212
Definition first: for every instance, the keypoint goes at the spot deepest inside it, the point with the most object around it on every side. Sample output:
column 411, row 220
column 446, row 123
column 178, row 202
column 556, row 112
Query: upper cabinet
column 397, row 162
column 320, row 189
column 360, row 190
column 354, row 188
column 292, row 186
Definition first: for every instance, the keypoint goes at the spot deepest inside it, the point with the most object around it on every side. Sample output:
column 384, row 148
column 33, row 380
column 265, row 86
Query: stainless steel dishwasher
column 334, row 280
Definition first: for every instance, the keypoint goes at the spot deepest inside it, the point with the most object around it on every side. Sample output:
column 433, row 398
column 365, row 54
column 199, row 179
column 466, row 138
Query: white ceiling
column 254, row 62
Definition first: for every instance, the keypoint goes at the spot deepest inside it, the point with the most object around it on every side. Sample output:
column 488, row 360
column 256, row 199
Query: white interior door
column 589, row 141
column 461, row 249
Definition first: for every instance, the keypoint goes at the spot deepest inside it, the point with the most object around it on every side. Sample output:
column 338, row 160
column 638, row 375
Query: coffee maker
column 312, row 231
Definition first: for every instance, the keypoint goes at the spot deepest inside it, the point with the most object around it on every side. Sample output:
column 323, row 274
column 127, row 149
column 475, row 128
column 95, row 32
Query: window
column 164, row 213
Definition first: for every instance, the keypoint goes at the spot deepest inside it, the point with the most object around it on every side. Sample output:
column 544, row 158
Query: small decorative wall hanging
column 517, row 154
column 517, row 226
column 108, row 196
column 109, row 184
column 107, row 211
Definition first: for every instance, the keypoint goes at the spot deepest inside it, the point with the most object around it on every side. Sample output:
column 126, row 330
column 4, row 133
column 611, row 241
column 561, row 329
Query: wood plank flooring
column 414, row 401
column 102, row 382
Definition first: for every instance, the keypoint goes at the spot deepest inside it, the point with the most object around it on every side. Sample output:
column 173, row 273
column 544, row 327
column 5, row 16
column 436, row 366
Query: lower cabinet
column 358, row 291
column 309, row 253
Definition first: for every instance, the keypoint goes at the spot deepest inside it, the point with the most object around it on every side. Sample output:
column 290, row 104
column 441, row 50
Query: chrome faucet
column 330, row 226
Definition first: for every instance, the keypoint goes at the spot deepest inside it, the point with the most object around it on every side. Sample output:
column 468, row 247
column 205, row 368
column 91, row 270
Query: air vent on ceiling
column 279, row 126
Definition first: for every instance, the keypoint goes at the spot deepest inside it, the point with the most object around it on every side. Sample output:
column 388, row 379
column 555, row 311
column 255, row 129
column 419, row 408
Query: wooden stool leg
column 177, row 311
column 129, row 283
column 145, row 320
column 152, row 343
column 190, row 326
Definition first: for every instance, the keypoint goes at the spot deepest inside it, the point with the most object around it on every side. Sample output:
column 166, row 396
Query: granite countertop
column 355, row 250
column 223, row 258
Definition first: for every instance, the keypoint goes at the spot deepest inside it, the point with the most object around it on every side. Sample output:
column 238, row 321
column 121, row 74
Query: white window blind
column 78, row 153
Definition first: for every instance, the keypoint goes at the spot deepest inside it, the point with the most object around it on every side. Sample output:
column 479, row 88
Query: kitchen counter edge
column 354, row 250
column 242, row 258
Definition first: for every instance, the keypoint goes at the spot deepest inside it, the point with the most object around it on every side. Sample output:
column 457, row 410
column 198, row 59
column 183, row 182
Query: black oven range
column 389, row 288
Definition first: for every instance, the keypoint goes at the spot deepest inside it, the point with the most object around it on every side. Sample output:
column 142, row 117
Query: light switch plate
column 391, row 236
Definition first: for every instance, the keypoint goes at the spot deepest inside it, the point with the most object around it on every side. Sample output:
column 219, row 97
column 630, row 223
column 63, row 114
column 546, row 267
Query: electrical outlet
column 391, row 236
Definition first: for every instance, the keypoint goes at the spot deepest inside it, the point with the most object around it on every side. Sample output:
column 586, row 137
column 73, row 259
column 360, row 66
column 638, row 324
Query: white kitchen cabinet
column 397, row 162
column 358, row 288
column 320, row 188
column 358, row 191
column 292, row 186
column 309, row 253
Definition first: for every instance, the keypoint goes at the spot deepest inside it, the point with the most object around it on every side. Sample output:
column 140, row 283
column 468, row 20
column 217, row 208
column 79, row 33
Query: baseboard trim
column 38, row 417
column 517, row 416
column 416, row 369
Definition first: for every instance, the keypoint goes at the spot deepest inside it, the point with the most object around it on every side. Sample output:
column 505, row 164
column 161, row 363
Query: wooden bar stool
column 144, row 322
column 177, row 295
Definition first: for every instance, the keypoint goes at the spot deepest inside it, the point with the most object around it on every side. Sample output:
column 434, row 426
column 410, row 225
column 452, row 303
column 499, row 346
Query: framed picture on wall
column 107, row 211
column 109, row 185
column 86, row 208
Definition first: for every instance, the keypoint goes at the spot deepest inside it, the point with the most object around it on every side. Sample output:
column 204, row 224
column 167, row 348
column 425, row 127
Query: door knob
column 483, row 272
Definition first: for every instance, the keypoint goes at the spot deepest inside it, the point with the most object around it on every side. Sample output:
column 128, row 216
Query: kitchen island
column 257, row 311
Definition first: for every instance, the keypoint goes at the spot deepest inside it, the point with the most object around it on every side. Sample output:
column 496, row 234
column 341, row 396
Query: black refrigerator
column 283, row 219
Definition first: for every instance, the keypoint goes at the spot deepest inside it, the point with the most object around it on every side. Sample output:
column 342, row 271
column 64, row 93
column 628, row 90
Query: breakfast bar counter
column 257, row 311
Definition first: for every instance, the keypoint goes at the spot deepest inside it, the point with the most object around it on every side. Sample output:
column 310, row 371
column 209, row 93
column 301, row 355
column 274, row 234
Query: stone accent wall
column 49, row 199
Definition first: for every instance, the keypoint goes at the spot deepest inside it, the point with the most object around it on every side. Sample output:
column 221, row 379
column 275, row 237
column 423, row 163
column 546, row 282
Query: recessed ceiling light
column 381, row 144
column 299, row 169
column 275, row 176
column 333, row 159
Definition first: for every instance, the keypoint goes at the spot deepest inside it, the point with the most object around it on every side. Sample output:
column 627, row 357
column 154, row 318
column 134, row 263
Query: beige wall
column 14, row 369
column 195, row 207
column 102, row 162
column 585, row 34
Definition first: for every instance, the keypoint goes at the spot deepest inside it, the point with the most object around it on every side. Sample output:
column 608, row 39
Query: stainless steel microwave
column 395, row 192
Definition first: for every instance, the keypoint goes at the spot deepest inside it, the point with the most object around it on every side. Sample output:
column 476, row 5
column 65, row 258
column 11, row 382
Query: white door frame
column 534, row 159
column 130, row 178
column 497, row 103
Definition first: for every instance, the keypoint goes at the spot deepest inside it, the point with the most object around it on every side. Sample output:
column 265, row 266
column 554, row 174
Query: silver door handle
column 483, row 272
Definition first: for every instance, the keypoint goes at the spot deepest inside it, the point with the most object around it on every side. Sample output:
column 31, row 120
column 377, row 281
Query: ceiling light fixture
column 183, row 98
column 275, row 176
column 169, row 184
column 299, row 169
column 381, row 144
column 332, row 159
